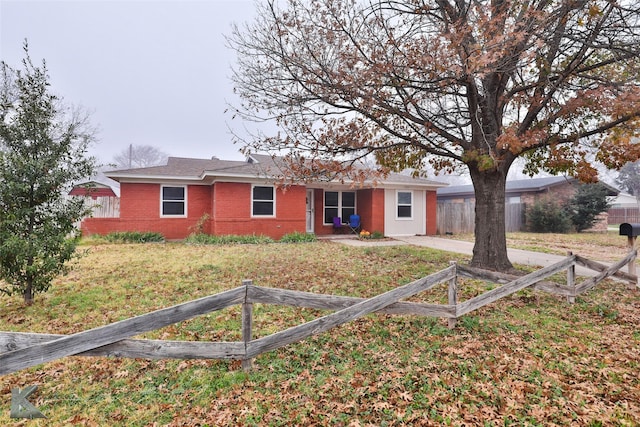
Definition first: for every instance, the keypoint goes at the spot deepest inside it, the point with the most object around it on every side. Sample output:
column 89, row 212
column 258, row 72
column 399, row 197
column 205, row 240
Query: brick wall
column 140, row 211
column 560, row 194
column 139, row 201
column 318, row 221
column 230, row 214
column 228, row 205
column 371, row 209
column 232, row 211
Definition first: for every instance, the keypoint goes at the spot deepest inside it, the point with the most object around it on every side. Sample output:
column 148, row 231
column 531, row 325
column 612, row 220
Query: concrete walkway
column 516, row 256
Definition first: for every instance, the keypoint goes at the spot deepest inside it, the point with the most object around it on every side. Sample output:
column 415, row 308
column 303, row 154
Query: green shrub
column 207, row 239
column 133, row 237
column 297, row 237
column 547, row 216
column 377, row 235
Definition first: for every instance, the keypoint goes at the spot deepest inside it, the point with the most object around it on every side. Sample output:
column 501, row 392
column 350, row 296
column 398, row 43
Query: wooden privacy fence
column 24, row 350
column 459, row 218
column 104, row 207
column 620, row 215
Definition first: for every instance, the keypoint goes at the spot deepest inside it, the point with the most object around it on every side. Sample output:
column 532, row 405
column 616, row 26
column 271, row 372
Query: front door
column 310, row 211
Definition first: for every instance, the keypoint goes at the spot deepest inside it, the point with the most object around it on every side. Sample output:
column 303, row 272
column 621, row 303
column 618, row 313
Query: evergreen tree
column 44, row 150
column 589, row 201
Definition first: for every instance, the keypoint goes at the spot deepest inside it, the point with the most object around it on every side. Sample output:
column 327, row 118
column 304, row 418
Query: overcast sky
column 151, row 72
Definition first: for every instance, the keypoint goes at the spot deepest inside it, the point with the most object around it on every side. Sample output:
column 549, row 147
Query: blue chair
column 354, row 223
column 337, row 224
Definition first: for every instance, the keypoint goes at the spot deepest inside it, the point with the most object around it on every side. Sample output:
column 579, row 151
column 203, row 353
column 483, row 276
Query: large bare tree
column 139, row 156
column 457, row 83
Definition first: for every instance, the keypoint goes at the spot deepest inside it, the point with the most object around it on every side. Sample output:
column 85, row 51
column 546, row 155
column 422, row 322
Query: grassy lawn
column 530, row 359
column 609, row 246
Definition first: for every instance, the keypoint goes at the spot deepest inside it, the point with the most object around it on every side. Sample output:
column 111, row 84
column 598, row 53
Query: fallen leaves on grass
column 521, row 361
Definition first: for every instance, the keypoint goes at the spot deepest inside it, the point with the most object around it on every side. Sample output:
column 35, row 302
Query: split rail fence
column 23, row 350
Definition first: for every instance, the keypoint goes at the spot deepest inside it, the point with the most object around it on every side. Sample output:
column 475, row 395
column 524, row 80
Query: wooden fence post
column 453, row 295
column 247, row 325
column 571, row 281
column 631, row 243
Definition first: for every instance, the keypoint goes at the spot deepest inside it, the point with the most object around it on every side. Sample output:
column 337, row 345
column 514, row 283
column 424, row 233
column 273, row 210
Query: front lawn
column 530, row 359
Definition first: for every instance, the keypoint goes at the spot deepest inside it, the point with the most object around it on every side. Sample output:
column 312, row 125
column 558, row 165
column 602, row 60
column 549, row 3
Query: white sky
column 150, row 72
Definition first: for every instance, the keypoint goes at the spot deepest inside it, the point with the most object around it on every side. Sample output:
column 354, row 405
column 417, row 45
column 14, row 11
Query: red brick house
column 240, row 198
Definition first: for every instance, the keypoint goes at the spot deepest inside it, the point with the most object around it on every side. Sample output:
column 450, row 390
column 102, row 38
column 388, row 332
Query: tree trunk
column 28, row 294
column 490, row 249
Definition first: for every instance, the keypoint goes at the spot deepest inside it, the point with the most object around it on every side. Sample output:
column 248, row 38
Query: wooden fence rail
column 22, row 350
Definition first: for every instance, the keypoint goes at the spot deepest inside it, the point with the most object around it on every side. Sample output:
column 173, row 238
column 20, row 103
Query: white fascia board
column 381, row 185
column 161, row 180
column 248, row 180
column 403, row 186
column 154, row 177
column 236, row 176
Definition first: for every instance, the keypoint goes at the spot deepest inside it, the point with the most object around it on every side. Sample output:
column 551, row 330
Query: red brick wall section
column 232, row 211
column 139, row 201
column 377, row 209
column 319, row 227
column 199, row 204
column 140, row 211
column 432, row 213
column 364, row 208
column 371, row 209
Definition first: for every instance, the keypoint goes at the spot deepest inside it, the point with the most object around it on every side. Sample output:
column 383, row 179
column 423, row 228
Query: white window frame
column 514, row 200
column 162, row 200
column 340, row 206
column 398, row 205
column 273, row 213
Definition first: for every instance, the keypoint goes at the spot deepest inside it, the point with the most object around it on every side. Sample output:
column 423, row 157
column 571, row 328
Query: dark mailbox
column 631, row 230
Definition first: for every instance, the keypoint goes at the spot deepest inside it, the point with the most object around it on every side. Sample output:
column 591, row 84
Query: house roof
column 256, row 166
column 100, row 181
column 624, row 200
column 533, row 185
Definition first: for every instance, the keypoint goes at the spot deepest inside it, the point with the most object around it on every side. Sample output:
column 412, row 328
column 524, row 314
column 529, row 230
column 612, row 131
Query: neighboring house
column 526, row 191
column 242, row 197
column 624, row 200
column 102, row 193
column 518, row 195
column 98, row 186
column 624, row 208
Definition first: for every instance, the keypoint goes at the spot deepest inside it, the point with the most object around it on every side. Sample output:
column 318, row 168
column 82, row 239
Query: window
column 174, row 201
column 339, row 203
column 262, row 201
column 513, row 199
column 405, row 202
column 348, row 205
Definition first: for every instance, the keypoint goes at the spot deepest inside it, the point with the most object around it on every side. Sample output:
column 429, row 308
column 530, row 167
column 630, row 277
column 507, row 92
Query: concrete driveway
column 516, row 256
